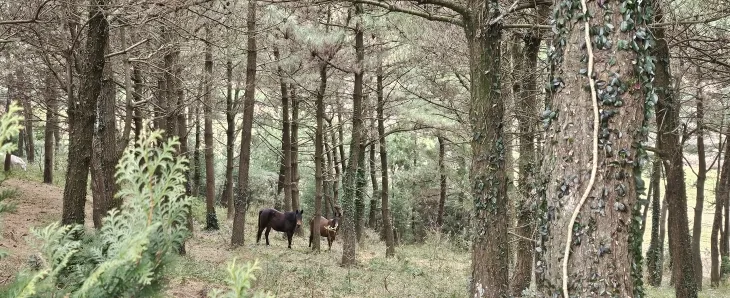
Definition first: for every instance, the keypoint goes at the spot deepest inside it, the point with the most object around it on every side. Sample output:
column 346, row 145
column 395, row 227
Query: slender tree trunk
column 227, row 196
column 8, row 102
column 341, row 138
column 51, row 123
column 318, row 153
column 721, row 196
column 700, row 200
column 294, row 148
column 349, row 244
column 330, row 181
column 137, row 118
column 653, row 255
column 384, row 200
column 360, row 183
column 442, row 184
column 243, row 195
column 82, row 115
column 27, row 133
column 527, row 107
column 211, row 219
column 285, row 173
column 668, row 124
column 336, row 165
column 373, row 181
column 196, row 152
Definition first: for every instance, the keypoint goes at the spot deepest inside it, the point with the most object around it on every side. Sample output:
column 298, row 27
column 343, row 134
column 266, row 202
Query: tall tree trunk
column 211, row 220
column 490, row 249
column 336, row 164
column 668, row 124
column 341, row 138
column 360, row 183
column 527, row 107
column 721, row 196
column 373, row 180
column 82, row 115
column 591, row 159
column 318, row 154
column 654, row 266
column 227, row 196
column 243, row 195
column 51, row 123
column 330, row 180
column 700, row 200
column 442, row 184
column 285, row 173
column 294, row 148
column 27, row 133
column 137, row 112
column 196, row 152
column 8, row 102
column 384, row 200
column 349, row 244
column 104, row 155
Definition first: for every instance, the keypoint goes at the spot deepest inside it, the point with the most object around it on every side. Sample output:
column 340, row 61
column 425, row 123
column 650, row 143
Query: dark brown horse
column 286, row 222
column 326, row 228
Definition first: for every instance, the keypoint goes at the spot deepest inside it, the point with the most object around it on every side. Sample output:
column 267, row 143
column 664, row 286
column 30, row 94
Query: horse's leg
column 329, row 242
column 268, row 229
column 311, row 235
column 288, row 237
column 258, row 234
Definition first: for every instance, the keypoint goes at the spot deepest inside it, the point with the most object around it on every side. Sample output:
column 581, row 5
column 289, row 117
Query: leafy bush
column 9, row 126
column 239, row 282
column 126, row 256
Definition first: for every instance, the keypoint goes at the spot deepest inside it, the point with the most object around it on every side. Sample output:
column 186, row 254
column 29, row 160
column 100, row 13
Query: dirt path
column 36, row 205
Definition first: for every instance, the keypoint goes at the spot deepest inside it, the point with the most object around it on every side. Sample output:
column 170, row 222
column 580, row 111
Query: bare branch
column 33, row 20
column 122, row 52
column 425, row 15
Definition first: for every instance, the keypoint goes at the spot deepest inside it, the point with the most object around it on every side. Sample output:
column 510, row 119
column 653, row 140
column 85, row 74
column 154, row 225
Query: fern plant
column 126, row 257
column 239, row 282
column 9, row 127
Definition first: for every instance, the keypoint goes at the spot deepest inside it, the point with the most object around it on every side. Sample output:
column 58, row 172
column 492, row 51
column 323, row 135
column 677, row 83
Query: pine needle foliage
column 126, row 257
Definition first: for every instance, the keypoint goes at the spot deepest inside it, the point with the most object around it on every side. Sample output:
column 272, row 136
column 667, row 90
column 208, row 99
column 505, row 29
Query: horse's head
column 335, row 223
column 299, row 217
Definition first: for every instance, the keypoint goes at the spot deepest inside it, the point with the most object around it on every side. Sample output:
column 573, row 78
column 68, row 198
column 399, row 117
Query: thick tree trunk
column 384, row 200
column 527, row 107
column 654, row 265
column 721, row 196
column 51, row 125
column 285, row 173
column 668, row 124
column 227, row 196
column 700, row 186
column 104, row 156
column 349, row 244
column 595, row 220
column 442, row 184
column 243, row 194
column 82, row 115
column 294, row 148
column 211, row 220
column 318, row 154
column 490, row 249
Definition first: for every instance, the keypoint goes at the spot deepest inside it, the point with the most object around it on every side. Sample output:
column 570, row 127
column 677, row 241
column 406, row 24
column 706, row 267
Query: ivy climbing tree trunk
column 654, row 265
column 243, row 195
column 668, row 123
column 82, row 115
column 721, row 196
column 211, row 220
column 590, row 167
column 384, row 200
column 349, row 243
column 51, row 96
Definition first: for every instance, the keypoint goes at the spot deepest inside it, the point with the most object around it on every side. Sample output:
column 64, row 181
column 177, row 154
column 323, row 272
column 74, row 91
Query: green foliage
column 127, row 256
column 239, row 282
column 9, row 126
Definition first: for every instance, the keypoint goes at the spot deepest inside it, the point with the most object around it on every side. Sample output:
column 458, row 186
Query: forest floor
column 433, row 269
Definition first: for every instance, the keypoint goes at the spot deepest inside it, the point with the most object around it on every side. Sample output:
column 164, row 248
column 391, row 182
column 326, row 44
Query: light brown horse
column 326, row 227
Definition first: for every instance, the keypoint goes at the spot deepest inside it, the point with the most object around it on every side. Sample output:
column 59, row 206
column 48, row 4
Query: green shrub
column 9, row 127
column 239, row 282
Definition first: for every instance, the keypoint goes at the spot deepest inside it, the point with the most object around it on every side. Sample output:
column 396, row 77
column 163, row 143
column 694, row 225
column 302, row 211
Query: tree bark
column 211, row 219
column 8, row 102
column 668, row 124
column 700, row 186
column 294, row 148
column 104, row 155
column 654, row 266
column 285, row 173
column 721, row 196
column 442, row 184
column 527, row 107
column 384, row 200
column 360, row 183
column 51, row 125
column 27, row 132
column 336, row 164
column 318, row 154
column 243, row 195
column 82, row 115
column 227, row 196
column 196, row 151
column 137, row 95
column 373, row 181
column 349, row 244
